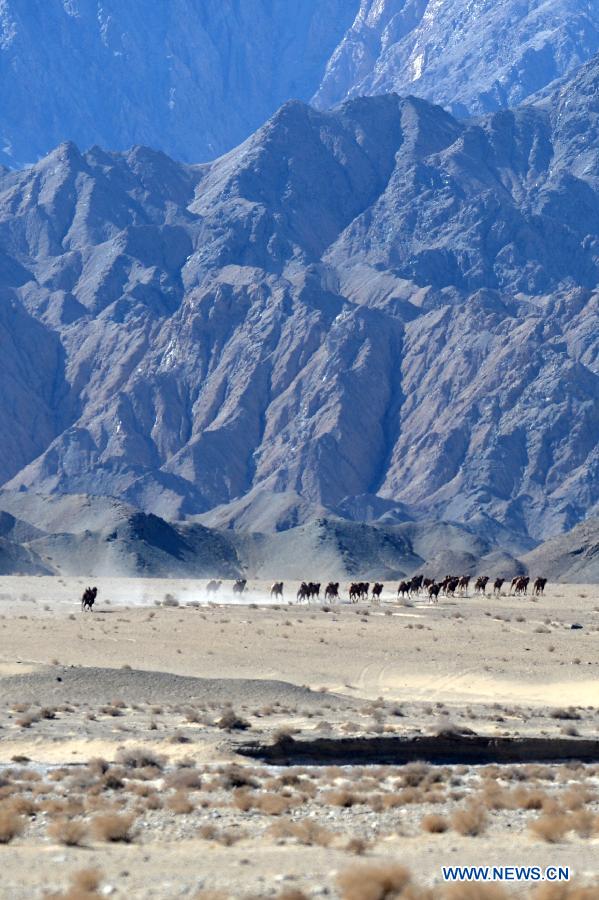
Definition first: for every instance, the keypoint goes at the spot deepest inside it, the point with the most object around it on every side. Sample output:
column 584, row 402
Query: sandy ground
column 81, row 686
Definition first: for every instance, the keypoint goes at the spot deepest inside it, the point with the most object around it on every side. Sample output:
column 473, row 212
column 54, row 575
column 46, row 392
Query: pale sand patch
column 67, row 751
column 16, row 668
column 468, row 688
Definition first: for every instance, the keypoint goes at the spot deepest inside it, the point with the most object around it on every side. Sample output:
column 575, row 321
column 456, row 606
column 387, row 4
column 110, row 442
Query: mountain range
column 93, row 537
column 194, row 78
column 379, row 312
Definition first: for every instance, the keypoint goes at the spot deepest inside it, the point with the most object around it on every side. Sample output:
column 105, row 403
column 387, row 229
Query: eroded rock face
column 379, row 302
column 471, row 58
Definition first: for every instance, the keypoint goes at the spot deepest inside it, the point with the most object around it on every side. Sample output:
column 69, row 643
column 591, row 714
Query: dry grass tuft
column 180, row 804
column 306, row 831
column 583, row 822
column 550, row 827
column 230, row 721
column 11, row 824
column 113, row 827
column 69, row 832
column 381, row 881
column 434, row 824
column 343, row 798
column 357, row 845
column 85, row 885
column 469, row 821
column 139, row 758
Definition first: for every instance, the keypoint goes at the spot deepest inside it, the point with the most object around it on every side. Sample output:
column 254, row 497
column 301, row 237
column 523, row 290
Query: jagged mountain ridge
column 471, row 58
column 195, row 77
column 380, row 307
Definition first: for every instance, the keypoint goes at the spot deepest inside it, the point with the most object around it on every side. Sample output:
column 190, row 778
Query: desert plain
column 135, row 741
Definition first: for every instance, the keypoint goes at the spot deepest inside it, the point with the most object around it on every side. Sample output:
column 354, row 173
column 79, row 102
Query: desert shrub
column 27, row 720
column 378, row 881
column 267, row 803
column 84, row 886
column 550, row 827
column 469, row 821
column 415, row 773
column 305, row 831
column 230, row 721
column 139, row 758
column 525, row 798
column 434, row 824
column 583, row 822
column 236, row 777
column 180, row 804
column 576, row 797
column 11, row 824
column 22, row 806
column 560, row 713
column 112, row 781
column 69, row 832
column 185, row 778
column 111, row 711
column 343, row 798
column 357, row 845
column 112, row 827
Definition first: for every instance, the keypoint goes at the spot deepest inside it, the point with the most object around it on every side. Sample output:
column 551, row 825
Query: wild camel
column 332, row 591
column 377, row 590
column 88, row 599
column 276, row 590
column 213, row 586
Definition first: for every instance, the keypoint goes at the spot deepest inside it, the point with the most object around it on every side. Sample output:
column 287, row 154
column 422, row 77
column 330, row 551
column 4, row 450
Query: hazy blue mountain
column 191, row 77
column 379, row 308
column 195, row 77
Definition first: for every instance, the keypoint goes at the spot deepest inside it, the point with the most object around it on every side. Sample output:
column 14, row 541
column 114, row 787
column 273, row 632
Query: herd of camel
column 363, row 590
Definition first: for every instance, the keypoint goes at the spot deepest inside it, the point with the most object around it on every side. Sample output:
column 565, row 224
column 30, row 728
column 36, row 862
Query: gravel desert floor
column 136, row 742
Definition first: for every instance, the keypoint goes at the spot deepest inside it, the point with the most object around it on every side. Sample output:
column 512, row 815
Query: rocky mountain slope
column 470, row 57
column 195, row 77
column 380, row 312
